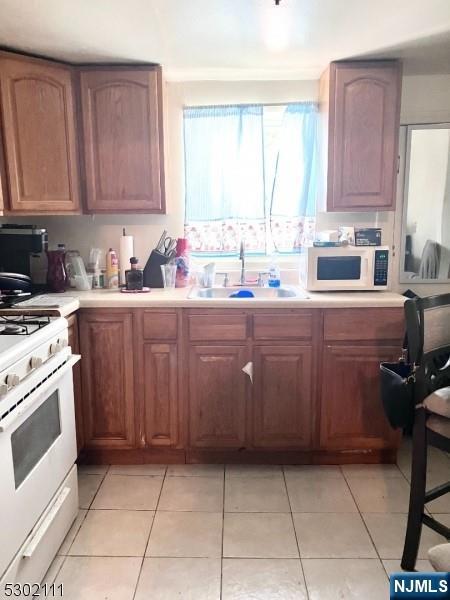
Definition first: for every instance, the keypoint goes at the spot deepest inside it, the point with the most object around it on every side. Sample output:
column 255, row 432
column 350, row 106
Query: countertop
column 178, row 298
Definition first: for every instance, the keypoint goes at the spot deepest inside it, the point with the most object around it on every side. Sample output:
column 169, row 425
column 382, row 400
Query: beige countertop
column 178, row 298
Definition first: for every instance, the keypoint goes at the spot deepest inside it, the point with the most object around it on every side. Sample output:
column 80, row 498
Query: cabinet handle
column 46, row 523
column 248, row 370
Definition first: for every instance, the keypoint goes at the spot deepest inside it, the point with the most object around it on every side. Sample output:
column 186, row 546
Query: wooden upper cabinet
column 361, row 102
column 39, row 136
column 123, row 150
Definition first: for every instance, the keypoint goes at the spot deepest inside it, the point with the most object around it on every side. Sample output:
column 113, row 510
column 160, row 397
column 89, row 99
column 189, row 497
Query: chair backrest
column 428, row 329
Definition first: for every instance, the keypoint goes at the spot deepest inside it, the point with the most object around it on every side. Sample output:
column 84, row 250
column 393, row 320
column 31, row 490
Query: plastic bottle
column 274, row 276
column 112, row 270
column 182, row 262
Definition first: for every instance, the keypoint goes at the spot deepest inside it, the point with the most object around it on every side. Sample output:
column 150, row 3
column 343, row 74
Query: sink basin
column 222, row 293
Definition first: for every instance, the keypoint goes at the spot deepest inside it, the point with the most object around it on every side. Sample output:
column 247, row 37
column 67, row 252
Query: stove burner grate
column 22, row 324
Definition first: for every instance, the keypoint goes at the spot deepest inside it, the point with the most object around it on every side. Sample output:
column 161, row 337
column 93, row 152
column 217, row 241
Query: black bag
column 397, row 382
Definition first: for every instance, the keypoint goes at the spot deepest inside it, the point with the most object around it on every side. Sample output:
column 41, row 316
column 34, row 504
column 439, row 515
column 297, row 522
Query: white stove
column 39, row 499
column 21, row 335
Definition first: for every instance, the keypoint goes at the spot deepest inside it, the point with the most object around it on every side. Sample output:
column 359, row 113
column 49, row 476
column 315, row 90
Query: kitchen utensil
column 159, row 245
column 169, row 245
column 169, row 272
column 15, row 281
column 152, row 270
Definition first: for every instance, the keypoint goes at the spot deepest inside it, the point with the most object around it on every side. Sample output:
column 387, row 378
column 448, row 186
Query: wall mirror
column 426, row 205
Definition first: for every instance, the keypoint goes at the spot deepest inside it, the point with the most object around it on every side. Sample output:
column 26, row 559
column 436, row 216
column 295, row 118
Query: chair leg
column 417, row 492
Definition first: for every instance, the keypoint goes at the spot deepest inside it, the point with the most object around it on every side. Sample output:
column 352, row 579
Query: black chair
column 428, row 329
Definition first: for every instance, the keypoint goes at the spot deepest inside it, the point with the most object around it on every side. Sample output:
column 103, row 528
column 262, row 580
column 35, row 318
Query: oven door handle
column 46, row 523
column 8, row 421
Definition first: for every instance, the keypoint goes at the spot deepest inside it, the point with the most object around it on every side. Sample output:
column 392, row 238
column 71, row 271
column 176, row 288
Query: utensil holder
column 152, row 271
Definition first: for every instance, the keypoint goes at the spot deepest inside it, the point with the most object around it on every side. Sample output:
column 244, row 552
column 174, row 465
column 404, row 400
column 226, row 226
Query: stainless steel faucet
column 242, row 259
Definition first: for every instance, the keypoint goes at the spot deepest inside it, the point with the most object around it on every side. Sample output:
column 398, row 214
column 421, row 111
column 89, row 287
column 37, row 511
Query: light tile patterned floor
column 208, row 532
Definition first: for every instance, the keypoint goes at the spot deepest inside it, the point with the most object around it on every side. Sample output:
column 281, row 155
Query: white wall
column 424, row 99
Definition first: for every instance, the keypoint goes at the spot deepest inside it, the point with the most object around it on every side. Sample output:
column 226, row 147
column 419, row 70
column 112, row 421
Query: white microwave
column 344, row 268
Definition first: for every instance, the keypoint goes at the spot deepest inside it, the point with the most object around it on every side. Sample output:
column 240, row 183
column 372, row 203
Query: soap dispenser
column 274, row 280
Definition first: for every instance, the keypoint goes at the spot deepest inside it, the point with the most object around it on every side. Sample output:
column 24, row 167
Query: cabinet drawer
column 160, row 325
column 364, row 324
column 217, row 327
column 282, row 327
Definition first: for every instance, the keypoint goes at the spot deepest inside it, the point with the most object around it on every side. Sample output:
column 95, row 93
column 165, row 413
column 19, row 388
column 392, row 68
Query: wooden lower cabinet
column 106, row 342
column 158, row 386
column 217, row 396
column 160, row 395
column 352, row 416
column 281, row 399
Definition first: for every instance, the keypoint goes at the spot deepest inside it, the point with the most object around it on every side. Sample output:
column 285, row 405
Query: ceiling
column 232, row 39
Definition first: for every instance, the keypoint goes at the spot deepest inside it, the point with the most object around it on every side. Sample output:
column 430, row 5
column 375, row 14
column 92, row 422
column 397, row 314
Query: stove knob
column 12, row 380
column 55, row 348
column 3, row 389
column 35, row 362
column 63, row 343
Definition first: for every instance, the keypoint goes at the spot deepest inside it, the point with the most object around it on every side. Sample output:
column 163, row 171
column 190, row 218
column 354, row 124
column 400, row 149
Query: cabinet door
column 161, row 394
column 282, row 396
column 107, row 372
column 351, row 412
column 217, row 396
column 39, row 136
column 123, row 139
column 74, row 343
column 363, row 135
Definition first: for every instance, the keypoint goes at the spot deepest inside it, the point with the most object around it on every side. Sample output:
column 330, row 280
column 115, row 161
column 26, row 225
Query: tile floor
column 209, row 532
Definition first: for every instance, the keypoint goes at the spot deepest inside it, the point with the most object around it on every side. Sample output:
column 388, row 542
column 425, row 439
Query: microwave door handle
column 8, row 421
column 365, row 269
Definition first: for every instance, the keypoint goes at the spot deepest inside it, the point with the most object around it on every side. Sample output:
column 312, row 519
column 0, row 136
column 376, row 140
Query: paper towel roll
column 126, row 251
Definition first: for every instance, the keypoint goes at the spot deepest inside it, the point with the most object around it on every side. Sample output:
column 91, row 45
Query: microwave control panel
column 380, row 275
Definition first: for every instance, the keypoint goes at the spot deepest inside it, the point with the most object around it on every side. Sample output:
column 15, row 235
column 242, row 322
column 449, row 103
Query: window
column 250, row 174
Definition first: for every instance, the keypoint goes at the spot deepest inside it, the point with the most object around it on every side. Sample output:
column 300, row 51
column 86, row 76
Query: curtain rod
column 250, row 104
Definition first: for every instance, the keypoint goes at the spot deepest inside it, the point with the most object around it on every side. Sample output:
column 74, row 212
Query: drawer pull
column 46, row 523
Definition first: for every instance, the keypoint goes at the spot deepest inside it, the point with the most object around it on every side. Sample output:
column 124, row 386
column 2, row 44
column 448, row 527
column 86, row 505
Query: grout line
column 272, row 558
column 50, row 583
column 223, row 530
column 364, row 522
column 99, row 486
column 150, row 533
column 295, row 532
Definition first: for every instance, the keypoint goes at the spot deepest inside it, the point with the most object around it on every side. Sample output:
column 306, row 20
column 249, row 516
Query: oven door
column 37, row 450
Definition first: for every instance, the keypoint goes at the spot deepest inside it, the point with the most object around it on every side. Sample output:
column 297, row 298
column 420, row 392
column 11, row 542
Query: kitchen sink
column 224, row 293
